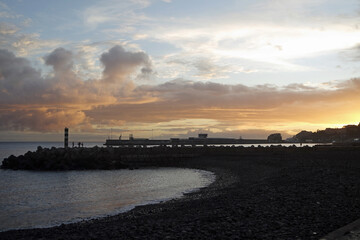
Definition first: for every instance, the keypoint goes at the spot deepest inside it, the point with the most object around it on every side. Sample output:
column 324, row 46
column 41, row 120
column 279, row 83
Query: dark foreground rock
column 302, row 194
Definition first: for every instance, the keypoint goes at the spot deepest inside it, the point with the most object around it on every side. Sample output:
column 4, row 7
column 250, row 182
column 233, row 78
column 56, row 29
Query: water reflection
column 39, row 199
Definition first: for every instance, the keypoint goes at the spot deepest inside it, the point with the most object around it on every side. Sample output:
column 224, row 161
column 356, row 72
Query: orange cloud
column 181, row 99
column 41, row 119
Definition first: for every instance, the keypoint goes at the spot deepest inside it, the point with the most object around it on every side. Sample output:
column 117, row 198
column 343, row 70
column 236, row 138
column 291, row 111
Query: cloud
column 209, row 69
column 263, row 36
column 120, row 64
column 3, row 6
column 19, row 81
column 41, row 119
column 13, row 38
column 126, row 13
column 37, row 102
column 5, row 12
column 33, row 102
column 22, row 84
column 60, row 59
column 251, row 36
column 203, row 68
column 7, row 28
column 28, row 44
column 88, row 63
column 352, row 54
column 238, row 104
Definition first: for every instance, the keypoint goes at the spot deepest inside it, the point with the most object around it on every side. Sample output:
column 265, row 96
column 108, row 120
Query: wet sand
column 296, row 194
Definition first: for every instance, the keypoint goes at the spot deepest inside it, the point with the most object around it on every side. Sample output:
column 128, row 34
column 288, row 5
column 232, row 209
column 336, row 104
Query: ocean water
column 30, row 199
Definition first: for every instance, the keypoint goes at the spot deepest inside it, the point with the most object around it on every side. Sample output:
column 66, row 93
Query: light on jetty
column 66, row 137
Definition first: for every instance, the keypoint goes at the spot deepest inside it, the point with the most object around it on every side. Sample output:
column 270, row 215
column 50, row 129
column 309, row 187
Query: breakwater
column 93, row 158
column 64, row 159
column 130, row 157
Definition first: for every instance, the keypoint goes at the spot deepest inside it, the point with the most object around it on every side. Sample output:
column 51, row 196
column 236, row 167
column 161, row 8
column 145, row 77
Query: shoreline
column 300, row 195
column 205, row 178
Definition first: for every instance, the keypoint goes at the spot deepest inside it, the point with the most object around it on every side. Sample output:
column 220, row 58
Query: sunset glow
column 161, row 69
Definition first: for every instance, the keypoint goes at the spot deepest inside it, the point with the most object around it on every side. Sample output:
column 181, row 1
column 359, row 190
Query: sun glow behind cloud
column 276, row 45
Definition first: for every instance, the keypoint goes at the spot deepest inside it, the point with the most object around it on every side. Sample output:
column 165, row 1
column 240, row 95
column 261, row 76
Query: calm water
column 40, row 199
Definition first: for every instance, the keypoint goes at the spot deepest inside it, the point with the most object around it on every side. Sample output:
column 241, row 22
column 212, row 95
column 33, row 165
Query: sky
column 176, row 68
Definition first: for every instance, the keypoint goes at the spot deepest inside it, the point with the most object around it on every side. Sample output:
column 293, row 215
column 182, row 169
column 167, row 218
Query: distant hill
column 348, row 133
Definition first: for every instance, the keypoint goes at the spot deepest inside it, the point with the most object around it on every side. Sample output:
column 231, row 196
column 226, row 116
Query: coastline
column 111, row 192
column 283, row 195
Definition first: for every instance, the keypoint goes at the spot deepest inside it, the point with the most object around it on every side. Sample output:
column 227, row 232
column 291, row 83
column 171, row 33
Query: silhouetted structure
column 274, row 138
column 201, row 140
column 66, row 138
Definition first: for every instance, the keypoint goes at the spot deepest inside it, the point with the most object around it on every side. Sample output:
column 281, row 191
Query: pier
column 201, row 140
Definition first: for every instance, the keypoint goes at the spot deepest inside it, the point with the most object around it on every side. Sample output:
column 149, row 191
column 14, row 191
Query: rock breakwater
column 162, row 156
column 64, row 159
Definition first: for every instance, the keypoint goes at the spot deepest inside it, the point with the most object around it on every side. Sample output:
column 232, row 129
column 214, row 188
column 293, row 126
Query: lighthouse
column 66, row 137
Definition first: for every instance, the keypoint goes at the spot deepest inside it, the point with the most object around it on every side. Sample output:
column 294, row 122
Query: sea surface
column 30, row 199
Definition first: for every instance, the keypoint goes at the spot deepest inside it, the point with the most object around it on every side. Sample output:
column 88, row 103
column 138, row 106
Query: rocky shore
column 260, row 193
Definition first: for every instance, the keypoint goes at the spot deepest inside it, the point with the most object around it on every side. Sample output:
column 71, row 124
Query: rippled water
column 39, row 199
